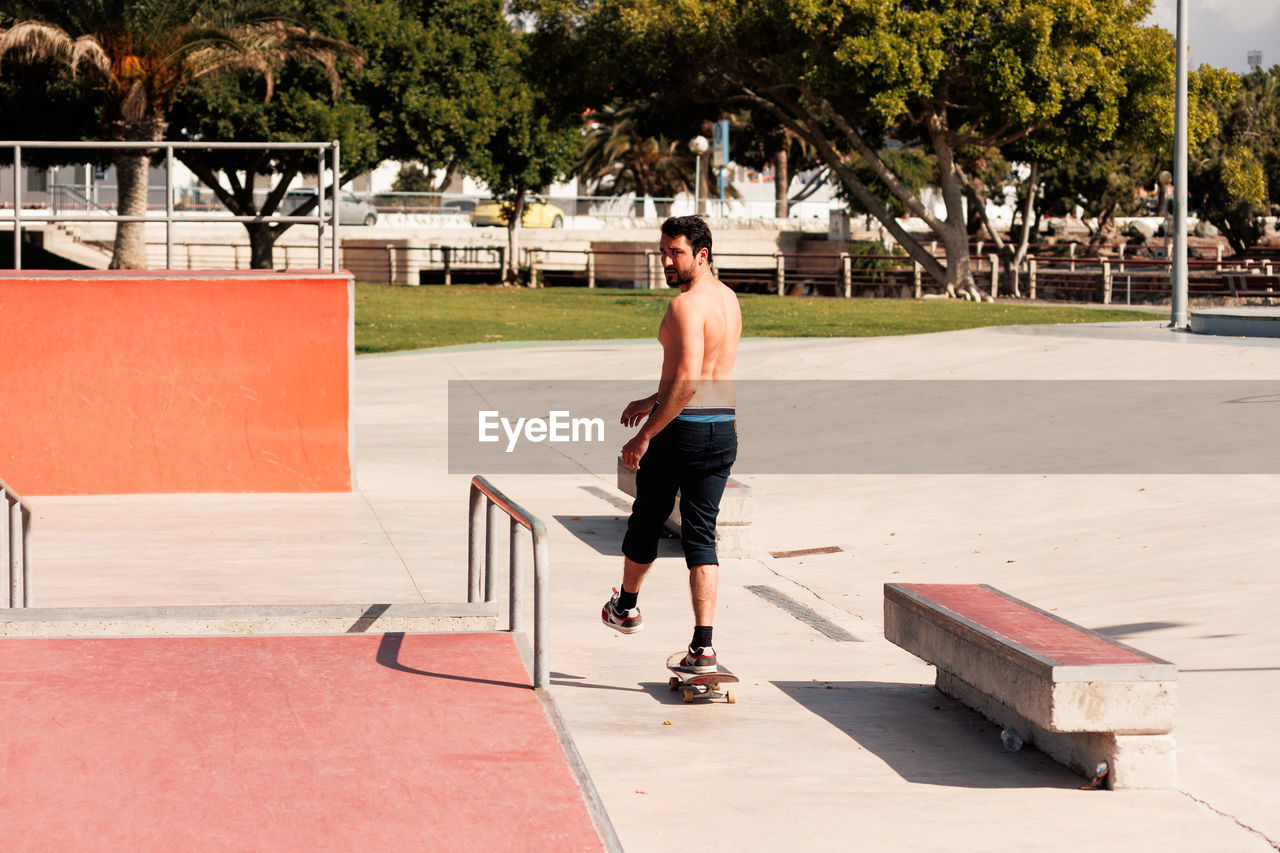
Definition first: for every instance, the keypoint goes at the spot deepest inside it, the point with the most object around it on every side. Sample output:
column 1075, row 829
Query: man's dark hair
column 692, row 228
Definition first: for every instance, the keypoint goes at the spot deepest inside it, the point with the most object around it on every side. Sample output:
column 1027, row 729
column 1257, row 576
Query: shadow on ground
column 605, row 532
column 926, row 737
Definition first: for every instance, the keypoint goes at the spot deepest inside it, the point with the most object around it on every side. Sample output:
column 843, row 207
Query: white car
column 352, row 211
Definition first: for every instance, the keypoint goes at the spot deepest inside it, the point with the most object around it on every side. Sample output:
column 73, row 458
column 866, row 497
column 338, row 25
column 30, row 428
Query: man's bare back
column 699, row 336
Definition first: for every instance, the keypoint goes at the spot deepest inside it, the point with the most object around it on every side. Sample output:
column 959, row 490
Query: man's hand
column 633, row 450
column 637, row 410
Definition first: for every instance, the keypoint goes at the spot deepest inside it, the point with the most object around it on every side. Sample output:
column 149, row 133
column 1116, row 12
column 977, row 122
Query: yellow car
column 538, row 213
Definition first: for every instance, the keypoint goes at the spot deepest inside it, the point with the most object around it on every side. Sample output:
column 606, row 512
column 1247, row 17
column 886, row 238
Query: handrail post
column 490, row 548
column 320, row 208
column 17, row 207
column 168, row 207
column 541, row 571
column 337, row 207
column 27, row 596
column 16, row 593
column 475, row 548
column 516, row 601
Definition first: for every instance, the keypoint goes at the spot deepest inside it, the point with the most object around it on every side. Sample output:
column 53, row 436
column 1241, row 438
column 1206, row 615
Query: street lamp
column 698, row 146
column 1178, row 269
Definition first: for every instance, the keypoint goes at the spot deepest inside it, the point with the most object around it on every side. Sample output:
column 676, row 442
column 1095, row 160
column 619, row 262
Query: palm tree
column 137, row 55
column 620, row 158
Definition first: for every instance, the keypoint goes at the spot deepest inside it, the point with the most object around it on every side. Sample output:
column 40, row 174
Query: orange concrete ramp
column 386, row 742
column 133, row 382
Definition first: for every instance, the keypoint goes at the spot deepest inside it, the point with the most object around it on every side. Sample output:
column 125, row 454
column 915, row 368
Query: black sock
column 701, row 637
column 626, row 600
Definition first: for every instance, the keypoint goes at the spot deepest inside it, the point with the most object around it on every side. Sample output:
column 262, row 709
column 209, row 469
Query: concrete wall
column 184, row 382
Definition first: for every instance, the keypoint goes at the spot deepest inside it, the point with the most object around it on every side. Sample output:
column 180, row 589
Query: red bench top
column 1021, row 624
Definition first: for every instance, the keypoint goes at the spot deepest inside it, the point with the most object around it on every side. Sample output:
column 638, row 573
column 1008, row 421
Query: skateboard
column 696, row 684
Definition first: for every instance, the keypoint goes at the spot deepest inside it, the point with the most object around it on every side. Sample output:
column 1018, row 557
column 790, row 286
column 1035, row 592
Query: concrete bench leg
column 1135, row 761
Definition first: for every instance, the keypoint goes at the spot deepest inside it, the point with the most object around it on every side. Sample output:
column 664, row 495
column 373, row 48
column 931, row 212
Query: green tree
column 412, row 178
column 956, row 77
column 1234, row 178
column 433, row 89
column 538, row 138
column 138, row 55
column 619, row 157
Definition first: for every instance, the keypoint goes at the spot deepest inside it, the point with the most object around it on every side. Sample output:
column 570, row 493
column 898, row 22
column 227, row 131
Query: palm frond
column 34, row 41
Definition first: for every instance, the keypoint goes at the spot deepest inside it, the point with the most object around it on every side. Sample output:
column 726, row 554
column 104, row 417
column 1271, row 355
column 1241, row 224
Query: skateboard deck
column 695, row 684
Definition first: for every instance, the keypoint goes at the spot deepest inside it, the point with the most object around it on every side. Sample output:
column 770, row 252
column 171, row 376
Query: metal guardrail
column 323, row 216
column 17, row 547
column 485, row 501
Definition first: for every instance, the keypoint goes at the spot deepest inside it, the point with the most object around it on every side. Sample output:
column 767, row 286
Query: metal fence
column 327, row 158
column 484, row 505
column 1056, row 274
column 16, row 528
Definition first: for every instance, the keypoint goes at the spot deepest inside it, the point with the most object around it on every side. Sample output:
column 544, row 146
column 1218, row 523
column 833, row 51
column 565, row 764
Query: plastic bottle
column 1010, row 740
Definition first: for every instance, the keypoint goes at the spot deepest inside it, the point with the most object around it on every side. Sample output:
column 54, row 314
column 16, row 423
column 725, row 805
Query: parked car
column 538, row 213
column 460, row 207
column 352, row 211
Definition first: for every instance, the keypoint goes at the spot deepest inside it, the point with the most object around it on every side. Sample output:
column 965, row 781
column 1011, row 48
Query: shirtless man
column 689, row 437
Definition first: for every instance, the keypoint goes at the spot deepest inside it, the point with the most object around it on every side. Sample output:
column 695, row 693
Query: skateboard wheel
column 688, row 696
column 673, row 683
column 732, row 696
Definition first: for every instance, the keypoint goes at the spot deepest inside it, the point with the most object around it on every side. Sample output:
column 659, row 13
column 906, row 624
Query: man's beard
column 680, row 279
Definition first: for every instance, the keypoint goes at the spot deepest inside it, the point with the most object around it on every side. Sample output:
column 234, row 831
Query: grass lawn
column 400, row 318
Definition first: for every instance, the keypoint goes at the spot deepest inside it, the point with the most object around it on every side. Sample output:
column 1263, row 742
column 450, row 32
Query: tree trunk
column 1024, row 235
column 510, row 275
column 130, row 251
column 781, row 183
column 262, row 242
column 1106, row 232
column 955, row 234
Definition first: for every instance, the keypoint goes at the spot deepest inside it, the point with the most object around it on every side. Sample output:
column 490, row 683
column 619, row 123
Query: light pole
column 1178, row 270
column 698, row 145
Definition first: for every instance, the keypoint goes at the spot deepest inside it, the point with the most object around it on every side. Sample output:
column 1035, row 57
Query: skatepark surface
column 838, row 739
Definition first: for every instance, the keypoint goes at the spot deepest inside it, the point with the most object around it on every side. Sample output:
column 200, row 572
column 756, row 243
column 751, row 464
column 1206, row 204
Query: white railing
column 327, row 157
column 16, row 527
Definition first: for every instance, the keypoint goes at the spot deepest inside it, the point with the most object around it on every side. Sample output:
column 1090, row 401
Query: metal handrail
column 17, row 565
column 482, row 555
column 320, row 218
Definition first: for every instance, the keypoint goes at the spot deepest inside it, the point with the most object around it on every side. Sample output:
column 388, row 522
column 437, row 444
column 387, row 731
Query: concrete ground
column 834, row 742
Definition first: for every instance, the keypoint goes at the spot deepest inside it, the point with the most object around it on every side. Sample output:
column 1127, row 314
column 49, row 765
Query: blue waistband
column 707, row 414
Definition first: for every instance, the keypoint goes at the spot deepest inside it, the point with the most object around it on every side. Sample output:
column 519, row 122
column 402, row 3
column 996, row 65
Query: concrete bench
column 733, row 525
column 1080, row 697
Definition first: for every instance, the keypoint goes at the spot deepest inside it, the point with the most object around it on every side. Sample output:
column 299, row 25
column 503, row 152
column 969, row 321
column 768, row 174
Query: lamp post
column 698, row 146
column 1178, row 269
